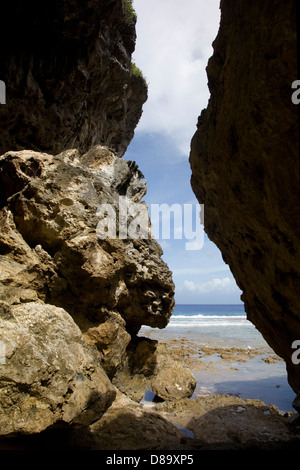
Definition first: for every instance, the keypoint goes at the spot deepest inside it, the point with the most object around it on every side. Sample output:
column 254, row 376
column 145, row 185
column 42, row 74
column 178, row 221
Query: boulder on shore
column 174, row 382
column 49, row 375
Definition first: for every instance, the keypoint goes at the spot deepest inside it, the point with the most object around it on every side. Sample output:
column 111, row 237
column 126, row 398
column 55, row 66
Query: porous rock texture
column 128, row 426
column 49, row 375
column 54, row 204
column 72, row 295
column 54, row 252
column 226, row 422
column 66, row 65
column 245, row 165
column 151, row 366
column 174, row 382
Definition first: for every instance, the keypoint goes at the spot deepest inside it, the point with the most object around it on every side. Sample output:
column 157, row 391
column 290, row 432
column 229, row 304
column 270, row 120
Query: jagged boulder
column 111, row 340
column 54, row 248
column 70, row 84
column 139, row 369
column 49, row 375
column 174, row 382
column 129, row 426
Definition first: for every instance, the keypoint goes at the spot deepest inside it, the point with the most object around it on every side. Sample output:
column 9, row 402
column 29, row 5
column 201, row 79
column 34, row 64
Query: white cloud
column 194, row 245
column 174, row 43
column 224, row 285
column 173, row 46
column 165, row 245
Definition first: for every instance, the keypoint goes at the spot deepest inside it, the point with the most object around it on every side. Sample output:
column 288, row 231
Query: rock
column 225, row 422
column 49, row 375
column 245, row 165
column 174, row 382
column 296, row 403
column 152, row 365
column 52, row 248
column 128, row 426
column 74, row 87
column 111, row 339
column 156, row 366
column 73, row 296
column 51, row 226
column 139, row 368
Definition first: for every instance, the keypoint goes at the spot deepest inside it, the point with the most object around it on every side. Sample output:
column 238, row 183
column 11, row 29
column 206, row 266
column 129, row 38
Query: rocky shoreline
column 208, row 422
column 211, row 422
column 73, row 370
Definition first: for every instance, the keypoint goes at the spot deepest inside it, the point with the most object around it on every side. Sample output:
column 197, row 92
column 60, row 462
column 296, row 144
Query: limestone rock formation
column 128, row 426
column 151, row 366
column 111, row 339
column 140, row 367
column 226, row 422
column 55, row 252
column 245, row 165
column 54, row 246
column 72, row 285
column 68, row 76
column 174, row 382
column 49, row 375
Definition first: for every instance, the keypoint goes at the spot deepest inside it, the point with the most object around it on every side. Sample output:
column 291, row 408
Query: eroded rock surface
column 72, row 102
column 54, row 252
column 50, row 225
column 68, row 76
column 225, row 422
column 49, row 374
column 245, row 165
column 129, row 426
column 174, row 382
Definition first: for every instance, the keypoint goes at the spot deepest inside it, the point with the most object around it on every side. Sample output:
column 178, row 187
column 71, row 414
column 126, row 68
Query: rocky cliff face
column 72, row 298
column 245, row 165
column 67, row 71
column 59, row 271
column 73, row 294
column 58, row 207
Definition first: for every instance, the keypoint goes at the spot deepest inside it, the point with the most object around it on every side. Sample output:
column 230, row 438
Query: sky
column 174, row 43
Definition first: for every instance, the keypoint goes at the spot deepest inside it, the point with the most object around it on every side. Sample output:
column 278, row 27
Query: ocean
column 226, row 326
column 212, row 325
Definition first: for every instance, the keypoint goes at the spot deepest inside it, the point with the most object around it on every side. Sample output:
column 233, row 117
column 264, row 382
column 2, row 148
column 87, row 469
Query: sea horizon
column 216, row 303
column 221, row 325
column 218, row 326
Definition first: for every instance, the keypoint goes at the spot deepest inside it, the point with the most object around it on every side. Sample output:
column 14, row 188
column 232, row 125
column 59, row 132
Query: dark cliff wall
column 67, row 69
column 245, row 164
column 72, row 298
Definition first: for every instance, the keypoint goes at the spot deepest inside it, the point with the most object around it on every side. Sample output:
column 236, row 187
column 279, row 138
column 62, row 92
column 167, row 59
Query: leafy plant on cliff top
column 136, row 71
column 129, row 11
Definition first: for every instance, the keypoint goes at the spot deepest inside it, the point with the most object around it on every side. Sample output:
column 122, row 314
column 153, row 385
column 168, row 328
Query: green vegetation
column 137, row 72
column 129, row 11
column 131, row 19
